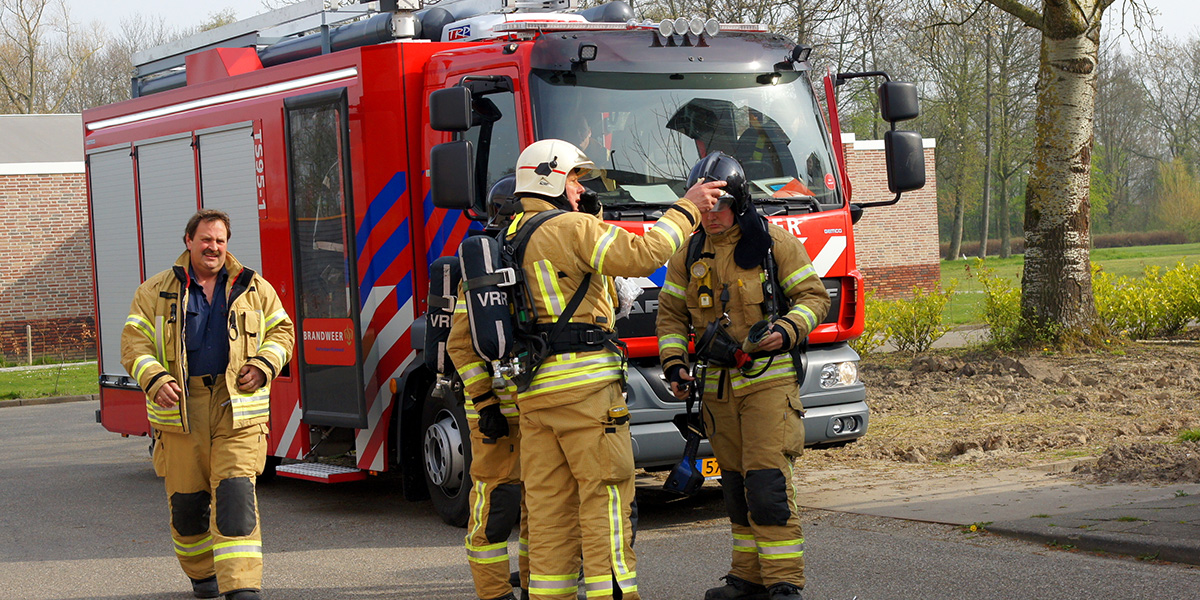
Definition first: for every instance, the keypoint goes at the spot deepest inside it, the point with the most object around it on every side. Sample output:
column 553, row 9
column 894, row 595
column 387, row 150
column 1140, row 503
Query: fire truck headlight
column 835, row 374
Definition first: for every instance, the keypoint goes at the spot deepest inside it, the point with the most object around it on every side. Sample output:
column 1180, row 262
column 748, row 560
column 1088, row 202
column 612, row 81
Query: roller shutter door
column 117, row 270
column 167, row 182
column 227, row 184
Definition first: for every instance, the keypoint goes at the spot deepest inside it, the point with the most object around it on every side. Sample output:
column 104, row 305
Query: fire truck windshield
column 645, row 131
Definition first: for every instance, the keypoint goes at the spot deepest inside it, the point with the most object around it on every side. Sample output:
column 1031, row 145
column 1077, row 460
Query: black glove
column 589, row 202
column 492, row 423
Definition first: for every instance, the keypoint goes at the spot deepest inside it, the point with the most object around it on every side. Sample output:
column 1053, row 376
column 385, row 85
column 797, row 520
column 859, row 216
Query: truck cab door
column 321, row 219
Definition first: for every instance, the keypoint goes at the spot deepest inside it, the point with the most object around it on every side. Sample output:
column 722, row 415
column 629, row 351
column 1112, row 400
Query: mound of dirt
column 973, row 411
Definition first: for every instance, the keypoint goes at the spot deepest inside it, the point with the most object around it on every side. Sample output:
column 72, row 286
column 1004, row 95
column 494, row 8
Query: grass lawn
column 966, row 305
column 66, row 380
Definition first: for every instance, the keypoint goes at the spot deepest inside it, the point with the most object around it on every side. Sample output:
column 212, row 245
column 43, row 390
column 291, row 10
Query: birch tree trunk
column 1057, row 278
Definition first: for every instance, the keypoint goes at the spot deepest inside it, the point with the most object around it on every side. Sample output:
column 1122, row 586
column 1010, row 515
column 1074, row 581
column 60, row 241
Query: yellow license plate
column 709, row 468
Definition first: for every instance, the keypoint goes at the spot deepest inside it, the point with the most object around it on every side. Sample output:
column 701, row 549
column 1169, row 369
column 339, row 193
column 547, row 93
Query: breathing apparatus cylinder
column 489, row 306
column 444, row 276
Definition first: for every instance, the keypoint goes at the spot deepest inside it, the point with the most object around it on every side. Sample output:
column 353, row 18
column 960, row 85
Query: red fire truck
column 311, row 128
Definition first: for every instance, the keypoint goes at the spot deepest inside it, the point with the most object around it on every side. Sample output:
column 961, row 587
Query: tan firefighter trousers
column 756, row 439
column 578, row 472
column 497, row 506
column 210, row 475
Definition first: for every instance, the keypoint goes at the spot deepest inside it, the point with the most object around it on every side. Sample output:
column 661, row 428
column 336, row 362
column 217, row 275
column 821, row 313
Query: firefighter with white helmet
column 751, row 284
column 577, row 458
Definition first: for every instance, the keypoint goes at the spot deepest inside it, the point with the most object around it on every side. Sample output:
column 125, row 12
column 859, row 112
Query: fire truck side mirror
column 451, row 182
column 898, row 101
column 450, row 109
column 905, row 156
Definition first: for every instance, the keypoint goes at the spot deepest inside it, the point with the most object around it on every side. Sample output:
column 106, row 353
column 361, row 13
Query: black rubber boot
column 784, row 591
column 736, row 588
column 243, row 595
column 206, row 588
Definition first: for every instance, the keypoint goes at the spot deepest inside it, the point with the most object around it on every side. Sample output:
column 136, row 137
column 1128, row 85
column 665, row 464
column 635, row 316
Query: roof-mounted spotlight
column 800, row 53
column 587, row 52
column 681, row 26
column 712, row 27
column 666, row 28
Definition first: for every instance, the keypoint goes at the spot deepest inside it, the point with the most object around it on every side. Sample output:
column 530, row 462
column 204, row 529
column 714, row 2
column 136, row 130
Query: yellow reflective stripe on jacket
column 473, row 372
column 275, row 348
column 796, row 277
column 141, row 324
column 276, row 318
column 163, row 416
column 195, row 548
column 781, row 366
column 672, row 341
column 673, row 233
column 143, row 362
column 671, row 288
column 805, row 313
column 563, row 371
column 601, row 249
column 547, row 283
column 254, row 404
column 160, row 347
column 237, row 549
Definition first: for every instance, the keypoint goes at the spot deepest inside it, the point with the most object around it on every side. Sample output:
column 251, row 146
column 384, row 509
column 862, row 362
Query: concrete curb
column 50, row 400
column 1176, row 550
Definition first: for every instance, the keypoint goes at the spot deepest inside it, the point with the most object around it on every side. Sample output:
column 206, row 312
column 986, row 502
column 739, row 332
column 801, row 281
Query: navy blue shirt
column 207, row 327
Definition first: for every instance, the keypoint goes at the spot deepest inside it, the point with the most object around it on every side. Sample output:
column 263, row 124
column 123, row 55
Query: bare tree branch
column 1017, row 9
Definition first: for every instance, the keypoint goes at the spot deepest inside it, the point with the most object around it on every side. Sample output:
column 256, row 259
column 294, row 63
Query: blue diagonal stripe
column 380, row 205
column 404, row 290
column 437, row 245
column 384, row 256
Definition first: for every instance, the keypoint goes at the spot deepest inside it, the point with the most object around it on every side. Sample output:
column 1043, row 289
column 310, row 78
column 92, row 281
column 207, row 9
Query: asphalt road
column 83, row 517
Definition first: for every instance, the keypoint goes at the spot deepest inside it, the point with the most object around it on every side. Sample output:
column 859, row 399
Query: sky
column 1177, row 18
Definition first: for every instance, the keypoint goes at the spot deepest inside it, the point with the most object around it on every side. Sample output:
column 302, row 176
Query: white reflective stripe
column 276, row 318
column 602, row 248
column 790, row 548
column 795, row 278
column 237, row 549
column 669, row 229
column 144, row 362
column 509, row 411
column 744, row 543
column 159, row 344
column 275, row 348
column 672, row 289
column 829, row 254
column 616, row 529
column 553, row 584
column 194, row 548
column 522, row 546
column 672, row 340
column 142, row 325
column 547, row 281
column 805, row 313
column 601, row 585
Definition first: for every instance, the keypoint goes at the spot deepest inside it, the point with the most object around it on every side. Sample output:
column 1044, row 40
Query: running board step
column 320, row 473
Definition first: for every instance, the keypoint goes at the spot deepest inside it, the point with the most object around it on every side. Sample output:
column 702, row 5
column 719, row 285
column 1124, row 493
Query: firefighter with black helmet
column 576, row 456
column 497, row 502
column 750, row 286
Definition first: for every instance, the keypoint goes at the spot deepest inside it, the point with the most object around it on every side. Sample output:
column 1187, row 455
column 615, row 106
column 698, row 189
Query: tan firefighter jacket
column 680, row 310
column 153, row 349
column 557, row 257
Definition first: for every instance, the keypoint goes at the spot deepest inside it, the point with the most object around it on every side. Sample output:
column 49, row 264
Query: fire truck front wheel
column 446, row 454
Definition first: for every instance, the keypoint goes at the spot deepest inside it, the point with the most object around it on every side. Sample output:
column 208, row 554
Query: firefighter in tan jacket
column 576, row 455
column 752, row 414
column 204, row 339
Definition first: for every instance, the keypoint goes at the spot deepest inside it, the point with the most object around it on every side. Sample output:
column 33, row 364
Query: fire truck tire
column 446, row 458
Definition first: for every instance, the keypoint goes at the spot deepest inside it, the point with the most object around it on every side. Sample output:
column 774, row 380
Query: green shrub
column 1160, row 303
column 875, row 327
column 1001, row 310
column 915, row 324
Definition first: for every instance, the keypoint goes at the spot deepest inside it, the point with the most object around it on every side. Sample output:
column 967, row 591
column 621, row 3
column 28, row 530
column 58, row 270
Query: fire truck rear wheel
column 446, row 454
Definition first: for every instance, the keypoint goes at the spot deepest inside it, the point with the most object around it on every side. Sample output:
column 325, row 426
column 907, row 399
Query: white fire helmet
column 543, row 167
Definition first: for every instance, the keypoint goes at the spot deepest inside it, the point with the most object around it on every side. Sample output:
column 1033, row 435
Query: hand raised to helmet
column 704, row 194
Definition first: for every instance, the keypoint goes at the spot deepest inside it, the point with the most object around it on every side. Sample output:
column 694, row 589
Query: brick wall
column 896, row 246
column 46, row 281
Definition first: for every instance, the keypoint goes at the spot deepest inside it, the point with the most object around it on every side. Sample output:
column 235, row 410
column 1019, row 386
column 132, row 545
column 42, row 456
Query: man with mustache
column 204, row 339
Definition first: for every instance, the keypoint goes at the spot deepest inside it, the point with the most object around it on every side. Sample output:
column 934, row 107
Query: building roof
column 41, row 144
